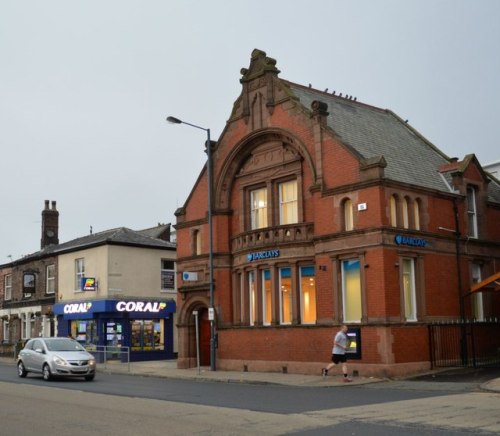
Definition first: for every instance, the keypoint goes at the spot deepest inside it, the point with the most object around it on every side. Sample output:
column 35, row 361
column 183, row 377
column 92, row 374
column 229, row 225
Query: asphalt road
column 131, row 405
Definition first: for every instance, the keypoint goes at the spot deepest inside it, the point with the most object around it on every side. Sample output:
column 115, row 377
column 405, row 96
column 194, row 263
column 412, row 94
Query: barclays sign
column 260, row 255
column 408, row 240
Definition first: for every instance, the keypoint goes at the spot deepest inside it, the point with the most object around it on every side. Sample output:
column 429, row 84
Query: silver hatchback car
column 56, row 357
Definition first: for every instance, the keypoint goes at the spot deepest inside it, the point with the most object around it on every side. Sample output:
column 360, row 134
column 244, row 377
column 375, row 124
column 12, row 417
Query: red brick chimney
column 50, row 225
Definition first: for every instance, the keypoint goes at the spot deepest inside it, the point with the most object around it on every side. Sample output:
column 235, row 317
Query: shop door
column 204, row 338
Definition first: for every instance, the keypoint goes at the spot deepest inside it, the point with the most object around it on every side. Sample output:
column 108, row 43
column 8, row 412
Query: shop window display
column 147, row 335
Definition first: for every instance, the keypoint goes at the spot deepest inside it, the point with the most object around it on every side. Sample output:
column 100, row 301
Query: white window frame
column 288, row 206
column 165, row 271
column 79, row 273
column 50, row 279
column 8, row 287
column 408, row 285
column 471, row 212
column 258, row 208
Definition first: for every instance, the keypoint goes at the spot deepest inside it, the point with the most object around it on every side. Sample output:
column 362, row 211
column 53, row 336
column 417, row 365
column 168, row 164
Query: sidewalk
column 168, row 369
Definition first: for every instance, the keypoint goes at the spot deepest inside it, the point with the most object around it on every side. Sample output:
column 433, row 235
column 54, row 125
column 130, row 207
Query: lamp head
column 174, row 120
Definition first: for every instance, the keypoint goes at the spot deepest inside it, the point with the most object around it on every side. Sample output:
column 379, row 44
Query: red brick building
column 326, row 211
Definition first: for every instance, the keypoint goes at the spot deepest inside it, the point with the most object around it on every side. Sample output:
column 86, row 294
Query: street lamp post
column 211, row 311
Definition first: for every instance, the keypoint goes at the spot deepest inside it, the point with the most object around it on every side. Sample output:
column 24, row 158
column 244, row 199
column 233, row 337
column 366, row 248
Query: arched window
column 405, row 212
column 196, row 242
column 348, row 215
column 394, row 215
column 416, row 214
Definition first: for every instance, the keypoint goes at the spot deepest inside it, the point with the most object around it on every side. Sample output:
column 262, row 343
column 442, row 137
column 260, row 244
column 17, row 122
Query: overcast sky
column 85, row 87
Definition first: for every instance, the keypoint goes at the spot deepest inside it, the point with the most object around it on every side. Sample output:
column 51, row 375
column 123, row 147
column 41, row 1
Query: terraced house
column 111, row 288
column 326, row 210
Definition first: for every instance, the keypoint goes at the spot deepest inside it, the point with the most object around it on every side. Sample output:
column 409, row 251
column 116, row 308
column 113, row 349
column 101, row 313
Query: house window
column 266, row 297
column 6, row 333
column 285, row 295
column 252, row 297
column 409, row 299
column 8, row 287
column 29, row 284
column 416, row 214
column 348, row 215
column 393, row 210
column 167, row 275
column 477, row 297
column 79, row 273
column 50, row 274
column 242, row 297
column 288, row 202
column 351, row 290
column 405, row 213
column 471, row 212
column 308, row 295
column 258, row 199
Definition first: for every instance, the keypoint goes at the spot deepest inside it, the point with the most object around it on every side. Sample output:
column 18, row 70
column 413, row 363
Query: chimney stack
column 50, row 225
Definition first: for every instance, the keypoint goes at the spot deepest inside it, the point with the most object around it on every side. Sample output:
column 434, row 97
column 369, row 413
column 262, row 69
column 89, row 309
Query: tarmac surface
column 168, row 369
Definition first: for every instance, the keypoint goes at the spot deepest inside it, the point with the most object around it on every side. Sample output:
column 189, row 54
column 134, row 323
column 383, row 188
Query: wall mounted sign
column 408, row 240
column 88, row 284
column 140, row 306
column 263, row 255
column 77, row 307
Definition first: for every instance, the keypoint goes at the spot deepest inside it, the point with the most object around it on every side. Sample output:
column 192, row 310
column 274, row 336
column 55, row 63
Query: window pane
column 266, row 297
column 258, row 208
column 348, row 219
column 51, row 279
column 471, row 212
column 252, row 297
column 416, row 213
column 285, row 295
column 351, row 288
column 308, row 294
column 405, row 213
column 394, row 221
column 288, row 202
column 409, row 289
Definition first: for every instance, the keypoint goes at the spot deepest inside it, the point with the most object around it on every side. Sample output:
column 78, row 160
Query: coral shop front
column 146, row 326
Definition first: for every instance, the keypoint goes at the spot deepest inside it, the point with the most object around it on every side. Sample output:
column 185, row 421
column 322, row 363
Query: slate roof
column 118, row 236
column 373, row 132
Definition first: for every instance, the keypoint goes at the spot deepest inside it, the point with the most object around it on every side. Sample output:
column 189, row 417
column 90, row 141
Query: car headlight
column 92, row 362
column 59, row 361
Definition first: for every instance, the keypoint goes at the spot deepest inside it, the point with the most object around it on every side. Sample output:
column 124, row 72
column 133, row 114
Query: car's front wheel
column 90, row 377
column 47, row 375
column 21, row 370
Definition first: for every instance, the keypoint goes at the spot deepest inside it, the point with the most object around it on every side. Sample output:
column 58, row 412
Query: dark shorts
column 339, row 358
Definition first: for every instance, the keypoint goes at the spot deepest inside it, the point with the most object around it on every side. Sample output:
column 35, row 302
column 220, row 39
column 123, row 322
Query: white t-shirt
column 341, row 339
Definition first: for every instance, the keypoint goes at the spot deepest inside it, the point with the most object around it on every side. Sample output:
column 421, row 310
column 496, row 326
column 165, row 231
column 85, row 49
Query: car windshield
column 62, row 344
